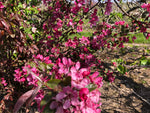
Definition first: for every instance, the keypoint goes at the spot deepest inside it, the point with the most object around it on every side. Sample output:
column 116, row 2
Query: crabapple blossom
column 65, row 65
column 83, row 93
column 3, row 82
column 108, row 7
column 1, row 6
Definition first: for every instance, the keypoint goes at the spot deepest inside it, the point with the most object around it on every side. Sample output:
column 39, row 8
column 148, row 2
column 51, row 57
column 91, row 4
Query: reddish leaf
column 22, row 100
column 20, row 49
column 22, row 35
column 33, row 94
column 35, row 47
column 5, row 24
column 31, row 37
column 1, row 25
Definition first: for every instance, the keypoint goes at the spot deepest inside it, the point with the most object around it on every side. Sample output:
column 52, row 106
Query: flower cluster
column 108, row 7
column 146, row 6
column 73, row 98
column 68, row 67
column 1, row 6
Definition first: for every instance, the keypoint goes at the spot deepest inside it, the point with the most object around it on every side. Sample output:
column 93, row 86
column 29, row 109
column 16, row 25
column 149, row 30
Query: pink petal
column 64, row 60
column 60, row 65
column 60, row 96
column 70, row 62
column 60, row 110
column 77, row 65
column 67, row 104
column 84, row 82
column 73, row 70
column 95, row 74
column 53, row 105
column 74, row 101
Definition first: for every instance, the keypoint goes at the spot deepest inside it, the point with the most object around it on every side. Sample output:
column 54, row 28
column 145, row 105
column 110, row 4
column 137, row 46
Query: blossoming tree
column 64, row 74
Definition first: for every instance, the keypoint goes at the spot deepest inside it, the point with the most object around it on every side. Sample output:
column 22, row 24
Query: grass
column 79, row 35
column 140, row 38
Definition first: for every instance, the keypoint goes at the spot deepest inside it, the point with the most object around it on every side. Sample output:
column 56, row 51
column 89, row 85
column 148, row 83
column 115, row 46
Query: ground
column 129, row 93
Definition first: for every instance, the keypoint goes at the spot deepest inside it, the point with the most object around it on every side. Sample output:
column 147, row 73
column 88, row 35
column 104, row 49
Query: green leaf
column 53, row 83
column 121, row 69
column 66, row 81
column 148, row 62
column 143, row 62
column 47, row 109
column 32, row 64
column 117, row 60
column 91, row 87
column 49, row 66
column 42, row 66
column 46, row 99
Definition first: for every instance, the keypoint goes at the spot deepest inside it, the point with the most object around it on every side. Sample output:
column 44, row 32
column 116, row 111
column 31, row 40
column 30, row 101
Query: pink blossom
column 83, row 93
column 85, row 9
column 108, row 7
column 79, row 29
column 60, row 96
column 88, row 106
column 39, row 98
column 75, row 9
column 64, row 100
column 53, row 105
column 115, row 64
column 82, row 56
column 75, row 72
column 49, row 37
column 55, row 50
column 96, row 80
column 67, row 104
column 40, row 57
column 44, row 26
column 70, row 43
column 143, row 29
column 31, row 80
column 65, row 65
column 148, row 35
column 85, row 73
column 19, row 76
column 120, row 23
column 78, row 84
column 84, row 40
column 90, row 59
column 3, row 82
column 71, row 23
column 111, row 78
column 121, row 45
column 146, row 6
column 94, row 96
column 94, row 18
column 133, row 38
column 1, row 6
column 59, row 23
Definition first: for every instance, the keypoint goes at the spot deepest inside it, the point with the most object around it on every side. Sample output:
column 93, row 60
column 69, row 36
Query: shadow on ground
column 125, row 96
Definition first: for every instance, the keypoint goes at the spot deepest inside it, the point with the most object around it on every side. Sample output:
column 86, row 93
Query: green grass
column 140, row 38
column 79, row 35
